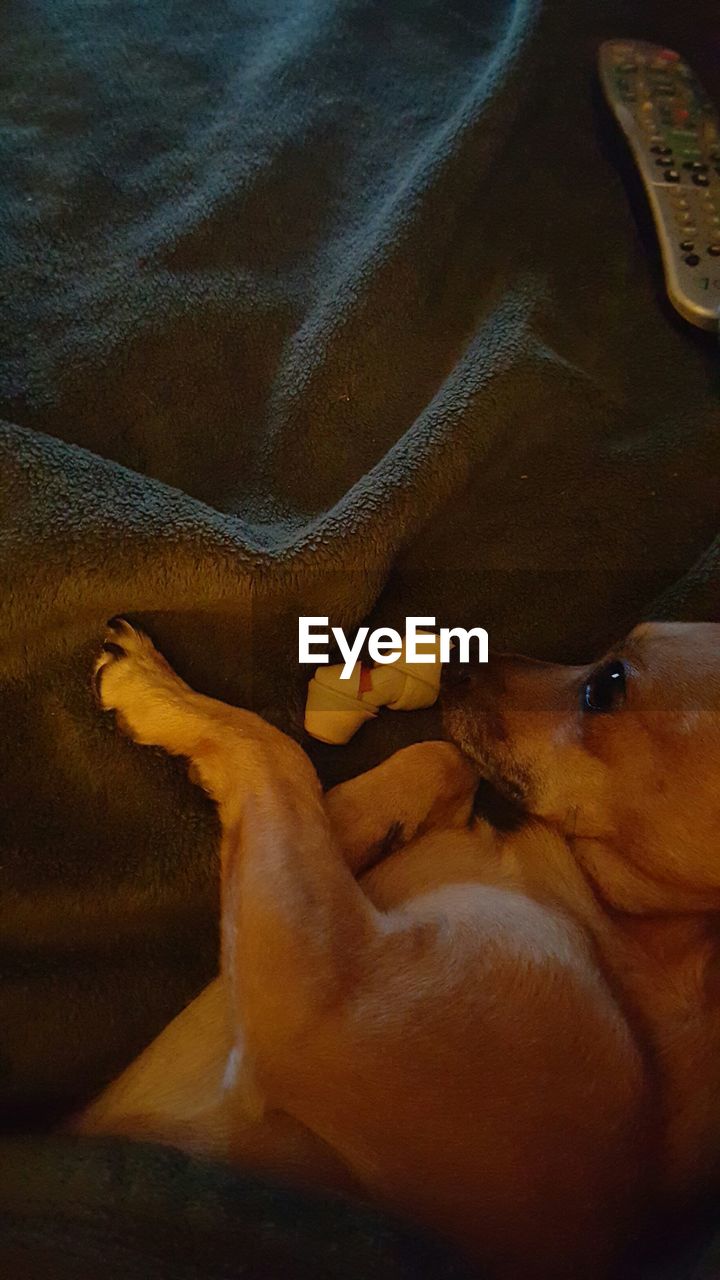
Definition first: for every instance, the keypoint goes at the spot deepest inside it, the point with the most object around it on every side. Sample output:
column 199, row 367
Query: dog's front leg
column 296, row 928
column 429, row 786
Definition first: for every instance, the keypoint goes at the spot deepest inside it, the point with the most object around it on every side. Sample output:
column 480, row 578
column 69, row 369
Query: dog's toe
column 122, row 635
column 114, row 650
column 122, row 641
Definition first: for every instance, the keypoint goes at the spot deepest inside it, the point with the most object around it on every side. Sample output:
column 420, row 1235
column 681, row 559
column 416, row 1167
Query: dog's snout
column 456, row 674
column 462, row 683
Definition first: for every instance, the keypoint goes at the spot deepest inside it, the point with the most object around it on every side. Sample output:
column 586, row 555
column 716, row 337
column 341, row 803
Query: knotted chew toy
column 336, row 708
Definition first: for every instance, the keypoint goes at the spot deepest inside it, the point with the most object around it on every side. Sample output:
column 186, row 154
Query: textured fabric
column 81, row 1210
column 323, row 306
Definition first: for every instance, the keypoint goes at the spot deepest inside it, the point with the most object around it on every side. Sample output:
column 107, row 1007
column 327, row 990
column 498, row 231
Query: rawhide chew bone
column 336, row 708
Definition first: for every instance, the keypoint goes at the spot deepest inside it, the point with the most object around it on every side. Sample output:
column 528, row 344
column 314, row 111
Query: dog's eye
column 605, row 690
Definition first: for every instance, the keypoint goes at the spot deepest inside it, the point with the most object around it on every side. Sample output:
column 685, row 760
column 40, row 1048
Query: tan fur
column 512, row 1038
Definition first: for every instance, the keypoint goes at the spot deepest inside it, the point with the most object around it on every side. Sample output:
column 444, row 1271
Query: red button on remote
column 669, row 55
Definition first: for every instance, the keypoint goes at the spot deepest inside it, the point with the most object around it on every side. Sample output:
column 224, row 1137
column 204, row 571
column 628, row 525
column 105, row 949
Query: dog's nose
column 455, row 674
column 466, row 684
column 456, row 683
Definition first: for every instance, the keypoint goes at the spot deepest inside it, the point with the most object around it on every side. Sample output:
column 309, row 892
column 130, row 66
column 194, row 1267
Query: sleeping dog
column 506, row 1030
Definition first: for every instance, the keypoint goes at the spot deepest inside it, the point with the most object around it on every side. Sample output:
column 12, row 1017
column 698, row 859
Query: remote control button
column 692, row 259
column 626, row 68
column 714, row 250
column 661, row 151
column 687, row 246
column 701, row 180
column 671, row 175
column 669, row 55
column 664, row 161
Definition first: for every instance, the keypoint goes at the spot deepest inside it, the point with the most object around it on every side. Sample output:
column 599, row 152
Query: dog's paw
column 126, row 653
column 132, row 679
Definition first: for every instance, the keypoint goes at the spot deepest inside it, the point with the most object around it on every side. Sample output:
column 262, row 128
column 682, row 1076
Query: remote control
column 674, row 134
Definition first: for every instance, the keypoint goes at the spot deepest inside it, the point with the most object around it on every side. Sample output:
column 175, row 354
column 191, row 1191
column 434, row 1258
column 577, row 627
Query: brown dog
column 509, row 1032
